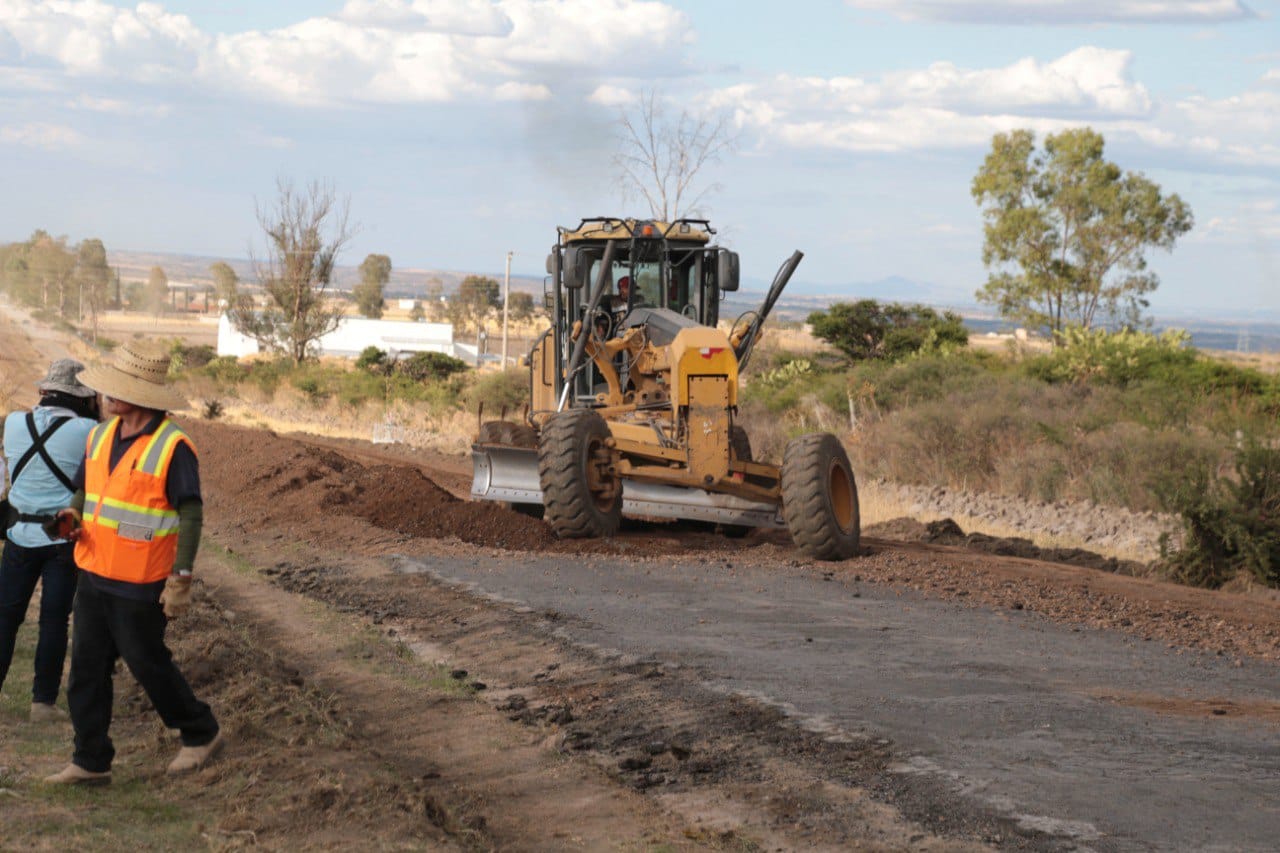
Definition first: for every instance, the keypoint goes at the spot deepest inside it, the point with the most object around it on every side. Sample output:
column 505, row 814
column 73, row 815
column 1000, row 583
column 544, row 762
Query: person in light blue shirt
column 43, row 450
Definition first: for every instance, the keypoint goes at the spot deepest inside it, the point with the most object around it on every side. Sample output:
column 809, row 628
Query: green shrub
column 226, row 369
column 267, row 374
column 926, row 377
column 783, row 389
column 430, row 366
column 372, row 360
column 867, row 329
column 309, row 385
column 1116, row 358
column 509, row 388
column 1232, row 523
column 191, row 356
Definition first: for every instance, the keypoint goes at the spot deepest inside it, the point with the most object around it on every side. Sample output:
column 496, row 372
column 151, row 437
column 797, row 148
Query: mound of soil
column 279, row 481
column 286, row 485
column 946, row 532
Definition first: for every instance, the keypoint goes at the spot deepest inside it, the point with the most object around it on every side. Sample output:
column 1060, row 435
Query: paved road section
column 1044, row 723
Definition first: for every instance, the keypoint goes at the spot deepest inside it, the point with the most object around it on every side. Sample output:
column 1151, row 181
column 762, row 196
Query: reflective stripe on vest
column 129, row 526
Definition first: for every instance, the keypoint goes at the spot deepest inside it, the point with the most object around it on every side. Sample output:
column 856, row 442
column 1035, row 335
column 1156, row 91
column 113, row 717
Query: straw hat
column 139, row 375
column 62, row 378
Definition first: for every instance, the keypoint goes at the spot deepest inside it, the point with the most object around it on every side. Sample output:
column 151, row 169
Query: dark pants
column 20, row 568
column 108, row 627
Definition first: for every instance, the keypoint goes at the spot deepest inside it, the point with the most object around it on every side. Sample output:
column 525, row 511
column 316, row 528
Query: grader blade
column 510, row 474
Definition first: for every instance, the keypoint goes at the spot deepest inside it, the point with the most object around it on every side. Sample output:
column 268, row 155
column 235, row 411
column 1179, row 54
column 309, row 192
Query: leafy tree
column 305, row 231
column 476, row 295
column 520, row 306
column 867, row 329
column 53, row 267
column 416, row 314
column 660, row 159
column 15, row 272
column 94, row 277
column 375, row 272
column 1067, row 231
column 435, row 301
column 135, row 296
column 157, row 297
column 226, row 284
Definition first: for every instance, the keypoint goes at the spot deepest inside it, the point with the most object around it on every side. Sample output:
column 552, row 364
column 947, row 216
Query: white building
column 353, row 335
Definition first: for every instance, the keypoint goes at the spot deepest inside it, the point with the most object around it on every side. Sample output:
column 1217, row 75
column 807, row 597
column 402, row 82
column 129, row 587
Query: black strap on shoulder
column 37, row 446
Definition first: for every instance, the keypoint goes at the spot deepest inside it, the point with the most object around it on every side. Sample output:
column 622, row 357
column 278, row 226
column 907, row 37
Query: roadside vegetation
column 1128, row 418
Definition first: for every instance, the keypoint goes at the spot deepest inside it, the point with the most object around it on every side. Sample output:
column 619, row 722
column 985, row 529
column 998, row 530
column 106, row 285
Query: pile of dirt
column 313, row 489
column 265, row 481
column 946, row 532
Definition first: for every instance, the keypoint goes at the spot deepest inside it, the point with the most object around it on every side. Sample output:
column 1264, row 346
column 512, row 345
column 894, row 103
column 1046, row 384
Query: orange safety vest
column 130, row 529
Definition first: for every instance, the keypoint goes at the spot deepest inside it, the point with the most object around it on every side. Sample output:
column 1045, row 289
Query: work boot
column 74, row 774
column 194, row 757
column 42, row 712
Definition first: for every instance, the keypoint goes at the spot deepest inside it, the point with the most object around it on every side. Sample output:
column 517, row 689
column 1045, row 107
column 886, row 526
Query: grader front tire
column 820, row 497
column 581, row 497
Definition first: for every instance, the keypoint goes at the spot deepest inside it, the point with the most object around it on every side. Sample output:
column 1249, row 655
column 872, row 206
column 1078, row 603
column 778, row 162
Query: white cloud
column 1067, row 12
column 612, row 96
column 115, row 106
column 1241, row 129
column 941, row 106
column 455, row 17
column 1092, row 79
column 40, row 135
column 372, row 51
column 1246, row 223
column 94, row 38
column 945, row 107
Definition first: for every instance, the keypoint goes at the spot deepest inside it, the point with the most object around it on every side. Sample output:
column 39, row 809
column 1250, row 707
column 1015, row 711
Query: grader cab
column 634, row 399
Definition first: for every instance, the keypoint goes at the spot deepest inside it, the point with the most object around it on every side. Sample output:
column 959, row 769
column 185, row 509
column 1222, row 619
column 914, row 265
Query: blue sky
column 462, row 129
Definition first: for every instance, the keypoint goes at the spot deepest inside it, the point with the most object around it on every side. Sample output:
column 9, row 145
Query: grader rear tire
column 581, row 498
column 820, row 497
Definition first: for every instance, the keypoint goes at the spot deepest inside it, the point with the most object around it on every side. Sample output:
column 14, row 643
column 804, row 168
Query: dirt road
column 481, row 685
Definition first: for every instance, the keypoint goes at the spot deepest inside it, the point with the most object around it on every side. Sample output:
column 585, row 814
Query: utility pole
column 506, row 297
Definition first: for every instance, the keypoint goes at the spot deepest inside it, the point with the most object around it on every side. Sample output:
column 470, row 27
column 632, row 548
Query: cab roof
column 616, row 228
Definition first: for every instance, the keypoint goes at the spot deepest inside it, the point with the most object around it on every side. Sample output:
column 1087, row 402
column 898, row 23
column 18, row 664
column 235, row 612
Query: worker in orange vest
column 136, row 524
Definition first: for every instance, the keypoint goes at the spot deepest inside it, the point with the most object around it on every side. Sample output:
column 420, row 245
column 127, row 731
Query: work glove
column 176, row 596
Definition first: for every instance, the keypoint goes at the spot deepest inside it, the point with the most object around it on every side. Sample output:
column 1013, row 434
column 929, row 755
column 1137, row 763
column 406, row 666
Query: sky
column 465, row 129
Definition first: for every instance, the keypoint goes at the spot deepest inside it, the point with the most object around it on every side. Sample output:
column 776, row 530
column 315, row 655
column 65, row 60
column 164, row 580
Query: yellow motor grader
column 634, row 396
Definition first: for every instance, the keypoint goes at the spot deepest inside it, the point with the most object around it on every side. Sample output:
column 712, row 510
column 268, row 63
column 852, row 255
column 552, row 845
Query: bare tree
column 305, row 230
column 660, row 159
